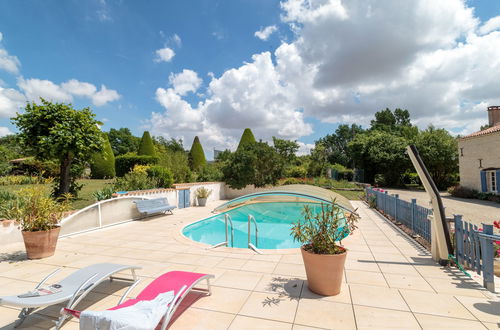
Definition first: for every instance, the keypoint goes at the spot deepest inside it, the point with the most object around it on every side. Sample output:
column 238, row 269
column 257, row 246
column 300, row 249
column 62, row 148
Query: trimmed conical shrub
column 146, row 147
column 196, row 155
column 246, row 138
column 103, row 163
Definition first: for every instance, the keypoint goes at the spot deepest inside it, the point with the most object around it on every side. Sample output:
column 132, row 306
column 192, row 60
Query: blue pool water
column 274, row 221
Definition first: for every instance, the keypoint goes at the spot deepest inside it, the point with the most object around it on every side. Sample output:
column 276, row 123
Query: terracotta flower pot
column 41, row 244
column 324, row 272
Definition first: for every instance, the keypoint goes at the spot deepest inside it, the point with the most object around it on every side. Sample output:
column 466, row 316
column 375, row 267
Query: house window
column 491, row 181
column 462, row 152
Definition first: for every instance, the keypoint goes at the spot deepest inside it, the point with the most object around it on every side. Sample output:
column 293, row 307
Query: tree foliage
column 336, row 144
column 380, row 152
column 125, row 163
column 58, row 131
column 246, row 138
column 286, row 149
column 146, row 146
column 102, row 165
column 122, row 141
column 197, row 155
column 254, row 163
column 439, row 151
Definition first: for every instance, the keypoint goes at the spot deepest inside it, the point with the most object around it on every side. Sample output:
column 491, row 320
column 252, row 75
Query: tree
column 57, row 131
column 103, row 163
column 255, row 163
column 336, row 144
column 380, row 152
column 286, row 149
column 246, row 138
column 318, row 161
column 439, row 151
column 122, row 141
column 172, row 144
column 196, row 155
column 146, row 146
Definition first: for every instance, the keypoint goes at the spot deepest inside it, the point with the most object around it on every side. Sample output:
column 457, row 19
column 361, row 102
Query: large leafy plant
column 320, row 230
column 35, row 211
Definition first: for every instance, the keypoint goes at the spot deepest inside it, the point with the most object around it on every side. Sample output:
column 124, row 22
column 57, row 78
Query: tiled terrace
column 389, row 281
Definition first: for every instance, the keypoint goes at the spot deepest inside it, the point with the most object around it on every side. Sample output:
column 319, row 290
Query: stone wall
column 470, row 150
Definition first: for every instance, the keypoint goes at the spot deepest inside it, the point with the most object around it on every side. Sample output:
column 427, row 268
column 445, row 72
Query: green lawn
column 85, row 197
column 351, row 195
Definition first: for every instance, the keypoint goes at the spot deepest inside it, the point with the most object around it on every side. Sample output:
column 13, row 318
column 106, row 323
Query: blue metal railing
column 411, row 214
column 474, row 247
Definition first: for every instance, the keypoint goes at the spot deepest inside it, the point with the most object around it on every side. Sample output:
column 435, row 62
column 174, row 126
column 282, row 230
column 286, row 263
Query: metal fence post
column 396, row 200
column 386, row 197
column 412, row 210
column 487, row 256
column 459, row 238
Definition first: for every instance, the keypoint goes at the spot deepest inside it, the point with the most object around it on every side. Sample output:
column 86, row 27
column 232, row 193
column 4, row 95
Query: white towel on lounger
column 144, row 315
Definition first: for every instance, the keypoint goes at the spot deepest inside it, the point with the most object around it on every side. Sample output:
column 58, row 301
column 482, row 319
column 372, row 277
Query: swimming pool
column 274, row 220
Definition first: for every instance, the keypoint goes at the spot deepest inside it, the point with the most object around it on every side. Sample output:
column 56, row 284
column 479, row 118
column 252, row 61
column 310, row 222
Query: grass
column 349, row 194
column 85, row 197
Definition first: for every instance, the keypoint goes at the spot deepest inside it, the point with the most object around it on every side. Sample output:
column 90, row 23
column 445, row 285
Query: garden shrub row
column 125, row 163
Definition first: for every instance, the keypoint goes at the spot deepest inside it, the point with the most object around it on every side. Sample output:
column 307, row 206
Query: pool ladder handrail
column 227, row 219
column 250, row 245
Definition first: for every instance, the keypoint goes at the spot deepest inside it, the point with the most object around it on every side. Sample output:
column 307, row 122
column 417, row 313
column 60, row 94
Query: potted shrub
column 202, row 194
column 320, row 232
column 39, row 216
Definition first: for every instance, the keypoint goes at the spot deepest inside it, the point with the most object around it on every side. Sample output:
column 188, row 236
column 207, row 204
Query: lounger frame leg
column 23, row 315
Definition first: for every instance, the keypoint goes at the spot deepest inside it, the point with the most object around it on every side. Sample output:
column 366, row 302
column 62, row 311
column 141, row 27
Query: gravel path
column 472, row 210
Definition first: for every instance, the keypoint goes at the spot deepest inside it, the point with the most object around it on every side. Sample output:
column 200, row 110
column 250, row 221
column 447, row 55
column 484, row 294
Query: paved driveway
column 472, row 210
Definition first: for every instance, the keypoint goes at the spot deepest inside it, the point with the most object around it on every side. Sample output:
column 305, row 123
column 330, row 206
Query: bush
column 32, row 166
column 126, row 163
column 146, row 146
column 295, row 172
column 9, row 180
column 135, row 181
column 210, row 173
column 104, row 193
column 103, row 163
column 340, row 172
column 162, row 175
column 462, row 192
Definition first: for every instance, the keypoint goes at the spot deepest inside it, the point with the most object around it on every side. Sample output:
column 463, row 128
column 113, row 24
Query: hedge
column 125, row 163
column 246, row 138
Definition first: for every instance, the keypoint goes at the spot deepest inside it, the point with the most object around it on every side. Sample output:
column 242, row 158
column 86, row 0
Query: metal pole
column 225, row 222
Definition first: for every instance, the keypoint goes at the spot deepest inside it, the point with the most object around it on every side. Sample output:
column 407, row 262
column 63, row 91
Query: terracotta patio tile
column 431, row 322
column 325, row 314
column 270, row 306
column 250, row 323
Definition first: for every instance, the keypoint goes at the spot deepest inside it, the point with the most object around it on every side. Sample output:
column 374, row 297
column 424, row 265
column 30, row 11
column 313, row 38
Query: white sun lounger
column 73, row 289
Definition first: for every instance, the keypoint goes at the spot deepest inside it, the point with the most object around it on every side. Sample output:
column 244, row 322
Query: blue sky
column 115, row 44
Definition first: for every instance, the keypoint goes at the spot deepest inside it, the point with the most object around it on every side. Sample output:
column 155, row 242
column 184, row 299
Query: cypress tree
column 103, row 163
column 246, row 138
column 196, row 155
column 146, row 147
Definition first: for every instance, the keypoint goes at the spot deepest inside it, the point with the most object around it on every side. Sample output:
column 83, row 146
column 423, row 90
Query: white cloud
column 177, row 40
column 10, row 102
column 304, row 148
column 9, row 63
column 164, row 55
column 104, row 96
column 348, row 60
column 265, row 33
column 492, row 24
column 184, row 82
column 5, row 131
column 35, row 88
column 79, row 88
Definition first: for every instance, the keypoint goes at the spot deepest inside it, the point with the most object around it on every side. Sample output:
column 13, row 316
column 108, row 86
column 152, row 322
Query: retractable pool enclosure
column 295, row 193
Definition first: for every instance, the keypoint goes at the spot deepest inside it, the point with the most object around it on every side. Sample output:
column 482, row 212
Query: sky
column 294, row 69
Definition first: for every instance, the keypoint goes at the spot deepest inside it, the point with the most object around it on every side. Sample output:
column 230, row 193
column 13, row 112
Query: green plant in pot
column 202, row 195
column 321, row 231
column 39, row 216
